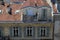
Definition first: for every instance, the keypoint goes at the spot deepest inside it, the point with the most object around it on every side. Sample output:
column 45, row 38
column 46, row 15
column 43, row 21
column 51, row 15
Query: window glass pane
column 15, row 32
column 29, row 12
column 9, row 9
column 29, row 32
column 44, row 13
column 43, row 32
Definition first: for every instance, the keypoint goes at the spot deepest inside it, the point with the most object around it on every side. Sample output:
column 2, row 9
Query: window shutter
column 25, row 31
column 19, row 31
column 39, row 31
column 33, row 31
column 47, row 31
column 11, row 32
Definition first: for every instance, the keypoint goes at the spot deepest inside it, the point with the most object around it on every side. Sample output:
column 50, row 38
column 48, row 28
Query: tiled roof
column 17, row 17
column 42, row 3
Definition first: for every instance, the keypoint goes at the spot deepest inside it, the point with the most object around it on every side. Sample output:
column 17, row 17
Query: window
column 29, row 12
column 43, row 31
column 9, row 10
column 0, row 11
column 15, row 32
column 30, row 15
column 29, row 32
column 17, row 11
column 43, row 15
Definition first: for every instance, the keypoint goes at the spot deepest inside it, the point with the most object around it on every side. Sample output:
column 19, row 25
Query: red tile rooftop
column 17, row 17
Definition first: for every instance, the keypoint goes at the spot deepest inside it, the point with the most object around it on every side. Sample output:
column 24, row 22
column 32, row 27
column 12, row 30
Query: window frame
column 15, row 30
column 27, row 14
column 44, row 14
column 19, row 34
column 40, row 13
column 28, row 29
column 47, row 31
column 32, row 31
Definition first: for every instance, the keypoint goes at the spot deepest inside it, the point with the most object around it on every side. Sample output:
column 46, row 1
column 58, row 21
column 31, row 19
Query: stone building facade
column 27, row 19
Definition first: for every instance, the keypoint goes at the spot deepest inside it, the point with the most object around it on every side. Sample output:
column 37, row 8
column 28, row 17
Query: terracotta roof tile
column 17, row 17
column 42, row 3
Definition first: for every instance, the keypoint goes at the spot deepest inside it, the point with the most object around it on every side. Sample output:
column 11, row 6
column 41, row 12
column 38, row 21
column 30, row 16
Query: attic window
column 17, row 11
column 9, row 10
column 0, row 11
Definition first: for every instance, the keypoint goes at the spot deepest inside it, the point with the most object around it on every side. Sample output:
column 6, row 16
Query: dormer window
column 17, row 11
column 0, row 11
column 9, row 10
